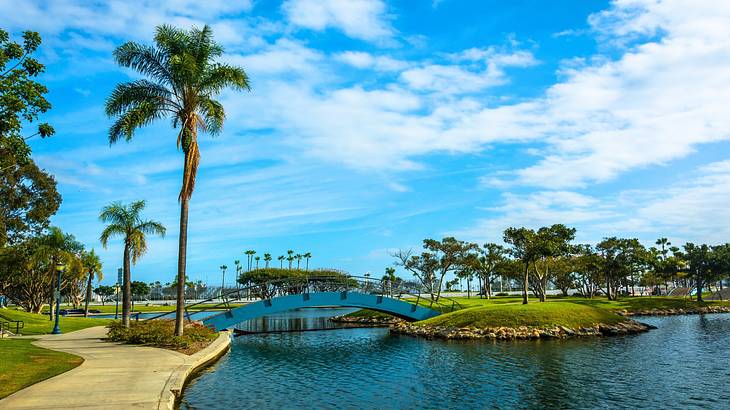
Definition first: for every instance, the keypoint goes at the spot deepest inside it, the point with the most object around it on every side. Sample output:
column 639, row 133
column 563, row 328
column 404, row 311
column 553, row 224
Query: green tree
column 28, row 198
column 105, row 292
column 139, row 290
column 126, row 222
column 183, row 80
column 267, row 259
column 490, row 257
column 281, row 261
column 93, row 268
column 524, row 249
column 550, row 243
column 22, row 99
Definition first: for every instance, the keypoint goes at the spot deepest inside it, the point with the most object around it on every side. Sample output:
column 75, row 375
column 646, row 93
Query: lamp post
column 116, row 287
column 57, row 326
column 223, row 283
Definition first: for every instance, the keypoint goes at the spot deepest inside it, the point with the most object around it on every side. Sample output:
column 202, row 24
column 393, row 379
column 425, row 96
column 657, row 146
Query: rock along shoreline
column 678, row 311
column 521, row 332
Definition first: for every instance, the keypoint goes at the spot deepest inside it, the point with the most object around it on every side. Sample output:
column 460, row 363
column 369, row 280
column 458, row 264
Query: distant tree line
column 548, row 256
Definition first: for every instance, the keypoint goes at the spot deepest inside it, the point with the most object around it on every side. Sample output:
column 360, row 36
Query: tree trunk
column 88, row 295
column 526, row 284
column 182, row 252
column 127, row 288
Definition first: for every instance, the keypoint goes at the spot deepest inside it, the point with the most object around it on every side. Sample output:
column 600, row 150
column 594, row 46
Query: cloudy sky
column 372, row 125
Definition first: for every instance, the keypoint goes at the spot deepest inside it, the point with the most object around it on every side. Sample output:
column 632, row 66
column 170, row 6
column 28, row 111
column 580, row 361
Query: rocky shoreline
column 520, row 333
column 369, row 321
column 678, row 311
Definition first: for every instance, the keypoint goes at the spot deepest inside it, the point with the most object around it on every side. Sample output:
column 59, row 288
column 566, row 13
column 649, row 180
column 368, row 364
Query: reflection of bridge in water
column 276, row 296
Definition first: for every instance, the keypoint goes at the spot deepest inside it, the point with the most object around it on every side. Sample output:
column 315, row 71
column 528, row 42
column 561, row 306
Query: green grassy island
column 508, row 318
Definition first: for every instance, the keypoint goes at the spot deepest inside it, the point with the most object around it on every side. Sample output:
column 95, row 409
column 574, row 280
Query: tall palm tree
column 290, row 257
column 250, row 253
column 298, row 257
column 125, row 221
column 258, row 258
column 281, row 261
column 267, row 259
column 183, row 80
column 92, row 265
column 307, row 256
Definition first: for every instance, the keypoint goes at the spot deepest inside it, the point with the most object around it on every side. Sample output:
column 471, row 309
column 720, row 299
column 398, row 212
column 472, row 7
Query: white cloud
column 361, row 19
column 363, row 60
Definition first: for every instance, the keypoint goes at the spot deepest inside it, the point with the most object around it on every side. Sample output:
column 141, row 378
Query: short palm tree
column 126, row 222
column 267, row 259
column 184, row 79
column 92, row 266
column 281, row 261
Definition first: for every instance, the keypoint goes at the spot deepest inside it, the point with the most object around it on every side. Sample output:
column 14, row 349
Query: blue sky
column 372, row 125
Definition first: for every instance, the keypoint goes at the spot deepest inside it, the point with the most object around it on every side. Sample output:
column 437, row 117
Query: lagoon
column 684, row 363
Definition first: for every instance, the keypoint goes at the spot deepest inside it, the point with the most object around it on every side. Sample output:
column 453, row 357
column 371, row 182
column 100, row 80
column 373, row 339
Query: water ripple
column 684, row 364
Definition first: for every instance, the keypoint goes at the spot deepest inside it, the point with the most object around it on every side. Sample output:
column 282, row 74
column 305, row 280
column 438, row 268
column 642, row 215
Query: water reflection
column 680, row 365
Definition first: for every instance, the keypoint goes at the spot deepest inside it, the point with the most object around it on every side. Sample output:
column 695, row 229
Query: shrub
column 161, row 333
column 502, row 294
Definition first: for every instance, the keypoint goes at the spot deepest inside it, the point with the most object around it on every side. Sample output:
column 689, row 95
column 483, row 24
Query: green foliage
column 21, row 97
column 27, row 270
column 140, row 289
column 24, row 364
column 269, row 282
column 161, row 333
column 28, row 198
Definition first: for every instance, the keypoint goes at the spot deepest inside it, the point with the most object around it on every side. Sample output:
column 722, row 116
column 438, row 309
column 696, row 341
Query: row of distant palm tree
column 253, row 261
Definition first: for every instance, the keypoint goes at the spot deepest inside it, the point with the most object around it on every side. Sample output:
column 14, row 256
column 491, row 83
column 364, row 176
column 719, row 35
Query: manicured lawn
column 140, row 307
column 39, row 324
column 22, row 364
column 645, row 303
column 548, row 314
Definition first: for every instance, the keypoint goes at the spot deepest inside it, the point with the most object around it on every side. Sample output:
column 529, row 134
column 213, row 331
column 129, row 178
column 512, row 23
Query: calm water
column 683, row 364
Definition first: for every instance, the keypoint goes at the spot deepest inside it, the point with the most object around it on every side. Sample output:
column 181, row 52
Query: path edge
column 172, row 392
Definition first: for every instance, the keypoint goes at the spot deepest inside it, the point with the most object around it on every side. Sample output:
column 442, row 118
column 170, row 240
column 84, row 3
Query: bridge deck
column 395, row 307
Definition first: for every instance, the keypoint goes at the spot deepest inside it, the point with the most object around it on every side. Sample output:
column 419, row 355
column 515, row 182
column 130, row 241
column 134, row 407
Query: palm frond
column 152, row 228
column 220, row 76
column 144, row 59
column 109, row 232
column 136, row 117
column 213, row 114
column 129, row 95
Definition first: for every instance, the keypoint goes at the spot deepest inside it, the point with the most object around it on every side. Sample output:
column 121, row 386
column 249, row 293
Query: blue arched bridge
column 274, row 296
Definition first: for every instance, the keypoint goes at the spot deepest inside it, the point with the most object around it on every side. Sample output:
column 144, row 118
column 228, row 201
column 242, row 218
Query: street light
column 116, row 287
column 57, row 327
column 223, row 284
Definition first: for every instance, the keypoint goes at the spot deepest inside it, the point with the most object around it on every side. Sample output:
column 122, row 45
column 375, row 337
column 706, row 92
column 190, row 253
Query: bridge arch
column 380, row 303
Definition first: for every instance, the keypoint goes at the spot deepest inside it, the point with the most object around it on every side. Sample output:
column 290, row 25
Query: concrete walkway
column 112, row 376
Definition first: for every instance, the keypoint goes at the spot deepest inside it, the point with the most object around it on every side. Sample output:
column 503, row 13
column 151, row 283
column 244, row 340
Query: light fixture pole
column 223, row 283
column 57, row 326
column 119, row 280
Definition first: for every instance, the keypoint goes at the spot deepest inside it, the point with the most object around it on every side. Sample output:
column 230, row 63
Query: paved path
column 112, row 376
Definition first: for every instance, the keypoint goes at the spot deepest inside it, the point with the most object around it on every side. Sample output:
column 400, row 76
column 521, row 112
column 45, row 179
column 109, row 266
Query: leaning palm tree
column 183, row 80
column 125, row 221
column 92, row 265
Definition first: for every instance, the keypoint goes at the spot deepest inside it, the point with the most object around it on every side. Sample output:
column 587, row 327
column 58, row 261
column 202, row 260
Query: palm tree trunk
column 127, row 289
column 88, row 295
column 181, row 256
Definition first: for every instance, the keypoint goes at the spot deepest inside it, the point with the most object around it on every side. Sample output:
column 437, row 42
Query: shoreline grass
column 24, row 364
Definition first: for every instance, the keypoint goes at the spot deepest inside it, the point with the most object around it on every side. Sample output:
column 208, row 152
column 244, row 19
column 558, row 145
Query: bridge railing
column 268, row 289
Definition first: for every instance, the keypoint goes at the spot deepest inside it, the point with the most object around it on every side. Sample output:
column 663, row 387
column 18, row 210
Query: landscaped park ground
column 23, row 364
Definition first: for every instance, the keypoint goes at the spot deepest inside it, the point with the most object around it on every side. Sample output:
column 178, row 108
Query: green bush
column 502, row 294
column 161, row 333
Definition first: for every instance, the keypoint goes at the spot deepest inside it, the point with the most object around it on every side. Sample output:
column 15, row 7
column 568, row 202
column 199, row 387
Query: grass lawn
column 568, row 311
column 140, row 307
column 547, row 314
column 23, row 364
column 39, row 324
